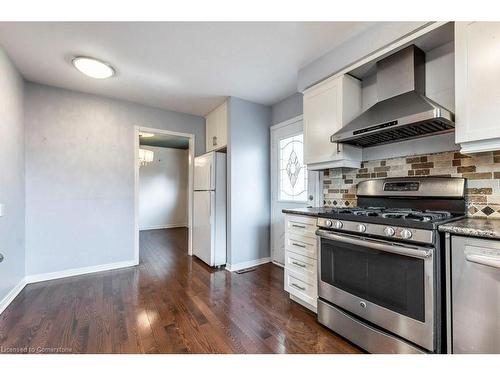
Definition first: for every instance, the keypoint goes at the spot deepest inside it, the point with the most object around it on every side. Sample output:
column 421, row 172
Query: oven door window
column 393, row 281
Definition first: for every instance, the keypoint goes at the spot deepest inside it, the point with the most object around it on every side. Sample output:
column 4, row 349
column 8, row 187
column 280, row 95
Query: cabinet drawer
column 305, row 226
column 307, row 267
column 305, row 291
column 301, row 245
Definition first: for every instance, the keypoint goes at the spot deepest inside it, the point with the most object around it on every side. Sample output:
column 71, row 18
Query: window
column 293, row 172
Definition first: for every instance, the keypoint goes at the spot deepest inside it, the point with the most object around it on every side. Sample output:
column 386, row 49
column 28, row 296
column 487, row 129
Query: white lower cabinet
column 301, row 260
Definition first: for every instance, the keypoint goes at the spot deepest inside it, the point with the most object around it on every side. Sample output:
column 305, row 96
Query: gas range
column 381, row 264
column 401, row 223
column 407, row 209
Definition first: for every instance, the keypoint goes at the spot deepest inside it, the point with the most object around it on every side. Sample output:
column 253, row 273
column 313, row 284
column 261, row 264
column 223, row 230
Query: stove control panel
column 410, row 235
column 402, row 186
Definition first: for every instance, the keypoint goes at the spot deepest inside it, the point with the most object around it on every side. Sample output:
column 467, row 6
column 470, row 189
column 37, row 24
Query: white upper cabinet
column 477, row 86
column 211, row 131
column 216, row 128
column 327, row 107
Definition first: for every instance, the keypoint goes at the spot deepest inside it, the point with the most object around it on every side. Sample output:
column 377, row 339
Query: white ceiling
column 183, row 66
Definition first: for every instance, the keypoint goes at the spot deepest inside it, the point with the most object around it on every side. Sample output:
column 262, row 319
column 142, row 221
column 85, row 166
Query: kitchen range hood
column 403, row 111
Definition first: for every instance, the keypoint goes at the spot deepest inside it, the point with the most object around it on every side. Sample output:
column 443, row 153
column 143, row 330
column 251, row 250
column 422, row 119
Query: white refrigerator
column 209, row 208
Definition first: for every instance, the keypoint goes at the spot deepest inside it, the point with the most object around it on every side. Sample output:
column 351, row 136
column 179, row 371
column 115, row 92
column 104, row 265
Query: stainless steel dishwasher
column 475, row 295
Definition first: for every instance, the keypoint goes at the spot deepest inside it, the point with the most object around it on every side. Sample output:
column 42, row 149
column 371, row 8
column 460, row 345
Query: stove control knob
column 338, row 224
column 389, row 231
column 406, row 234
column 361, row 228
column 328, row 223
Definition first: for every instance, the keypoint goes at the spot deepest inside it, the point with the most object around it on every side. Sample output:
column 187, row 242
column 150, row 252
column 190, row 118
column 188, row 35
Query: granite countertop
column 307, row 211
column 474, row 227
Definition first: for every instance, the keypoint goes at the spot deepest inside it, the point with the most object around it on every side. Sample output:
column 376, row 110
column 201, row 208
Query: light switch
column 1, row 209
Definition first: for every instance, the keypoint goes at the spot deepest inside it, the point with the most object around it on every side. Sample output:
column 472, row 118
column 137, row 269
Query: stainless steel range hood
column 403, row 111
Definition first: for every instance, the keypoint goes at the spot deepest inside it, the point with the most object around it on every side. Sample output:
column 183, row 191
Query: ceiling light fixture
column 92, row 67
column 145, row 157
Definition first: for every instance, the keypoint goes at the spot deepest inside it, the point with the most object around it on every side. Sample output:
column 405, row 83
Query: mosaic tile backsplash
column 482, row 172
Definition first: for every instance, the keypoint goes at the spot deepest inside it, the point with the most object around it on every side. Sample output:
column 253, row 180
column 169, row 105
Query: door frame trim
column 192, row 143
column 317, row 199
column 291, row 121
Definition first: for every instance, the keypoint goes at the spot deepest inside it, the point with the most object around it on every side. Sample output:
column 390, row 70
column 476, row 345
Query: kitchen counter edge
column 473, row 227
column 309, row 211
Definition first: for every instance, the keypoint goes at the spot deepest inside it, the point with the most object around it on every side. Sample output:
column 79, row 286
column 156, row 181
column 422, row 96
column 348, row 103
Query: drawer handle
column 298, row 245
column 298, row 286
column 299, row 226
column 299, row 264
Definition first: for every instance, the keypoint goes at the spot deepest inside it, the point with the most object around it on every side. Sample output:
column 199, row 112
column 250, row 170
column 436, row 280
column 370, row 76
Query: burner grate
column 394, row 213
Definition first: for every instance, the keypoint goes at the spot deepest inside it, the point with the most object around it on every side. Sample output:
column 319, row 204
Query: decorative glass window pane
column 293, row 172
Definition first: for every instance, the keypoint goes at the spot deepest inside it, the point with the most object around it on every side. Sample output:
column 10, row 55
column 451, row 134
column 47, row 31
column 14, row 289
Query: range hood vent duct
column 403, row 111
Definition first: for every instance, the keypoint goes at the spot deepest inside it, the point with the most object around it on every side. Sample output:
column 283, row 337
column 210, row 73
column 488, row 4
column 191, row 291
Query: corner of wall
column 248, row 175
column 12, row 181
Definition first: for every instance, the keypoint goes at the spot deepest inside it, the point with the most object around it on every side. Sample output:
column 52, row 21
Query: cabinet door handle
column 214, row 141
column 298, row 245
column 299, row 264
column 298, row 286
column 299, row 226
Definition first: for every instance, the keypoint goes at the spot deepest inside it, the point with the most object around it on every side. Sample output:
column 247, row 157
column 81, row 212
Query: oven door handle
column 389, row 247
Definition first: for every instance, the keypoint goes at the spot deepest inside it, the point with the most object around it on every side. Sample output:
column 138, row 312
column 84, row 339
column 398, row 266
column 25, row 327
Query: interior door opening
column 163, row 182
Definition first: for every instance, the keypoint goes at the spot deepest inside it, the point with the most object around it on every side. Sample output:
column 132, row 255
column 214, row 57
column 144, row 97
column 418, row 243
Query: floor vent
column 239, row 272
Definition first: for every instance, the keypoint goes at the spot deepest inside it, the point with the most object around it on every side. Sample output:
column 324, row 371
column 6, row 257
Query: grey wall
column 164, row 189
column 288, row 108
column 80, row 175
column 248, row 181
column 11, row 176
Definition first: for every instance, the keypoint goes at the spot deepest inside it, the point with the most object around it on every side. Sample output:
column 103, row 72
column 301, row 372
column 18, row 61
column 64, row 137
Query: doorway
column 292, row 184
column 162, row 200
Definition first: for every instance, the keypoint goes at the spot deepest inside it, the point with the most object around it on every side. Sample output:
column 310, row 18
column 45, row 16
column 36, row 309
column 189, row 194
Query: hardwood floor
column 170, row 303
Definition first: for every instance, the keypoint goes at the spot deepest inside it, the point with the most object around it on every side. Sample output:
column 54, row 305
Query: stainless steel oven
column 387, row 283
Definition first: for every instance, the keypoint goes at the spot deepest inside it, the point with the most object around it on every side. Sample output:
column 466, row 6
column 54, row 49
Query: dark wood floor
column 170, row 303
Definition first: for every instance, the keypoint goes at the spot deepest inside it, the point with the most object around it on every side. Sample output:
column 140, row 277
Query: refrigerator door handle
column 211, row 177
column 210, row 209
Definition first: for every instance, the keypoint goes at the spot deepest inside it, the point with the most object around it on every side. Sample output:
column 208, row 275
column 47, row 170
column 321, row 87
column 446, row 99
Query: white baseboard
column 6, row 301
column 243, row 265
column 164, row 226
column 78, row 271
